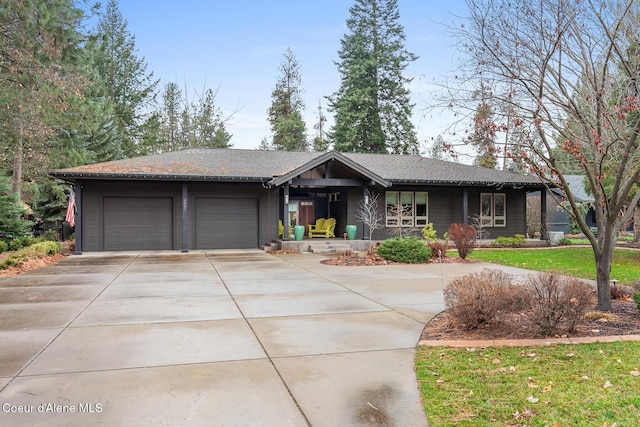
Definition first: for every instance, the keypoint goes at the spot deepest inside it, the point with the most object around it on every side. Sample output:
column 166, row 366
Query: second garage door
column 226, row 223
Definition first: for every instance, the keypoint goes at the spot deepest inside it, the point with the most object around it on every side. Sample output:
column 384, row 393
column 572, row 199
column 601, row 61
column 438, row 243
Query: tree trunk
column 636, row 223
column 17, row 160
column 604, row 259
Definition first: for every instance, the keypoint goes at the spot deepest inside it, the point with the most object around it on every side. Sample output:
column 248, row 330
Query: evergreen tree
column 372, row 107
column 11, row 211
column 171, row 110
column 38, row 51
column 211, row 131
column 285, row 112
column 483, row 137
column 127, row 83
column 320, row 142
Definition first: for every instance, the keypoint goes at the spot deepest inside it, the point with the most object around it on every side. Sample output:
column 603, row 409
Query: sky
column 236, row 47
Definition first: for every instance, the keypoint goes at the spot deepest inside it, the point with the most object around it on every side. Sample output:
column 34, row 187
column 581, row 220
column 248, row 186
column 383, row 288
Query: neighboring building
column 557, row 216
column 226, row 198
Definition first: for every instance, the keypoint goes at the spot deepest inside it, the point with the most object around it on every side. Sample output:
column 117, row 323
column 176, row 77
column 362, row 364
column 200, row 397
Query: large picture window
column 407, row 208
column 493, row 209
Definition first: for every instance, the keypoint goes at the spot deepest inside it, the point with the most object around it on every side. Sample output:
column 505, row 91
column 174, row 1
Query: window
column 406, row 208
column 493, row 209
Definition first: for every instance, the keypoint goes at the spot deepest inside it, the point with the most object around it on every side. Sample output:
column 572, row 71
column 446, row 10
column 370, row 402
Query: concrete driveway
column 216, row 338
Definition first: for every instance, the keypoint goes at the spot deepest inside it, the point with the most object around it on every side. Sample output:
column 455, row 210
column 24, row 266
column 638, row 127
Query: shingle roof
column 256, row 165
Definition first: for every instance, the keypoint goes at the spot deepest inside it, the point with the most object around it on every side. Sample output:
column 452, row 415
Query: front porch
column 335, row 245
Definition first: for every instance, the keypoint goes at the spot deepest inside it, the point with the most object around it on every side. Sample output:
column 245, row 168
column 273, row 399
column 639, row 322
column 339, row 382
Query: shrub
column 476, row 299
column 429, row 234
column 620, row 292
column 517, row 240
column 408, row 250
column 438, row 246
column 565, row 242
column 464, row 238
column 557, row 300
column 38, row 250
column 3, row 246
column 15, row 244
column 28, row 241
column 636, row 298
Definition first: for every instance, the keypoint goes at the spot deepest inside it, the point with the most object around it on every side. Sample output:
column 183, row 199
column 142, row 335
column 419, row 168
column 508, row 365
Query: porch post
column 543, row 214
column 78, row 219
column 465, row 206
column 185, row 218
column 365, row 226
column 285, row 212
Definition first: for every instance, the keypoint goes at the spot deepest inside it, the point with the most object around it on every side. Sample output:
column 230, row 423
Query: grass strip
column 561, row 385
column 577, row 262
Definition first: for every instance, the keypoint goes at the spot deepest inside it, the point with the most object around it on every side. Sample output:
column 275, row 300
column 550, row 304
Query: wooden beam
column 329, row 182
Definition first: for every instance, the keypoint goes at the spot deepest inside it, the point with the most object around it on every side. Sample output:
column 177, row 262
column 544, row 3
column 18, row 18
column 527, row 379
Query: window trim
column 492, row 219
column 409, row 219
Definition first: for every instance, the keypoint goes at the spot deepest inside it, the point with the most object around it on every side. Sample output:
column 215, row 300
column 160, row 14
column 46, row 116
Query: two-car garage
column 155, row 221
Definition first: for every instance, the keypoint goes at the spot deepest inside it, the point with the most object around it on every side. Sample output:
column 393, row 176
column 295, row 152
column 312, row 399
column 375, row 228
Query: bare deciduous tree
column 567, row 74
column 370, row 213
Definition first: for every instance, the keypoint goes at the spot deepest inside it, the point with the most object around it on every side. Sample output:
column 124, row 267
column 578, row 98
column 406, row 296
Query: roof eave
column 75, row 176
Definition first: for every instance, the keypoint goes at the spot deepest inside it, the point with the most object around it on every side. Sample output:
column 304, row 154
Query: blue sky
column 237, row 46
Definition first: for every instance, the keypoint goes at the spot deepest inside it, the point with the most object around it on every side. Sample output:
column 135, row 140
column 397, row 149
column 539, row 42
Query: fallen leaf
column 570, row 355
column 527, row 413
column 585, row 377
column 547, row 389
column 533, row 399
column 635, row 373
column 607, row 385
column 439, row 381
column 512, row 368
column 496, row 361
column 531, row 354
column 532, row 385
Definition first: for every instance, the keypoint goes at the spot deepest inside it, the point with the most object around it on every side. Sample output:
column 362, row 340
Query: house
column 557, row 215
column 227, row 198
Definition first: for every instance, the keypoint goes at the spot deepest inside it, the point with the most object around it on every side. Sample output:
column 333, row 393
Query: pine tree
column 285, row 112
column 210, row 124
column 38, row 50
column 320, row 142
column 11, row 222
column 372, row 107
column 127, row 83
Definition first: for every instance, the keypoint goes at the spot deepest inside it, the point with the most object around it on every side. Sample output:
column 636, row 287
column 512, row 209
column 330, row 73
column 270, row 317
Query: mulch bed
column 625, row 320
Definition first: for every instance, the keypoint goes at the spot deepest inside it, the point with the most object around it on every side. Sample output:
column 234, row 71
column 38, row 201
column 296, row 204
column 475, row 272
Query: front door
column 305, row 214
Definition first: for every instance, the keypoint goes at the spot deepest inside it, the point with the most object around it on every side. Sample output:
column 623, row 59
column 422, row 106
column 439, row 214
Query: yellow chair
column 319, row 225
column 327, row 229
column 281, row 229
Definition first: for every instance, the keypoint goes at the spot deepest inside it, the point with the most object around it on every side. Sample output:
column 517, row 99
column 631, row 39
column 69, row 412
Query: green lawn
column 562, row 385
column 573, row 261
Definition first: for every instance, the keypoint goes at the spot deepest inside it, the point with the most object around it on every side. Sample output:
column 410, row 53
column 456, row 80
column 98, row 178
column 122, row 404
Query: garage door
column 226, row 223
column 136, row 223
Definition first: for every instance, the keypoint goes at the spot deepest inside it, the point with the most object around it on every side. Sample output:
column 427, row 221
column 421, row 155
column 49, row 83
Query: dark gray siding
column 260, row 220
column 95, row 224
column 446, row 207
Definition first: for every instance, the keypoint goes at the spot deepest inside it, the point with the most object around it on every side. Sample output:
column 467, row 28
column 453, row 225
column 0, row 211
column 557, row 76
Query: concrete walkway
column 216, row 338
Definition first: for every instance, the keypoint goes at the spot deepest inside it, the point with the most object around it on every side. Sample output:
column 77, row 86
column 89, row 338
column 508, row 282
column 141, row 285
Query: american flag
column 71, row 210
